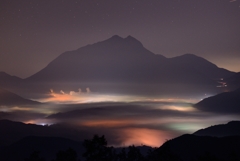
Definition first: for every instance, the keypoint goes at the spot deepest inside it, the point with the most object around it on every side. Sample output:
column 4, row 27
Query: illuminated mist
column 124, row 119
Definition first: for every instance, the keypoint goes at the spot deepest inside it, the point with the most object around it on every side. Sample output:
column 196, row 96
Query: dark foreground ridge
column 230, row 129
column 184, row 148
column 188, row 147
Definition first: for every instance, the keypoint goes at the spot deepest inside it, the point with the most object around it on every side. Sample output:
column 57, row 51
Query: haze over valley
column 119, row 80
column 118, row 88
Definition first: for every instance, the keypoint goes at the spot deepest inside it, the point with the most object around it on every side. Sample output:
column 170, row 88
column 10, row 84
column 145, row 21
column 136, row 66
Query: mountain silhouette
column 233, row 82
column 12, row 131
column 6, row 78
column 227, row 102
column 116, row 59
column 119, row 63
column 191, row 147
column 11, row 99
column 19, row 140
column 46, row 146
column 230, row 129
column 199, row 65
column 10, row 82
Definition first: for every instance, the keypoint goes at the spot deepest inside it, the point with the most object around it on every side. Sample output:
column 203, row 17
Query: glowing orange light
column 144, row 136
column 30, row 122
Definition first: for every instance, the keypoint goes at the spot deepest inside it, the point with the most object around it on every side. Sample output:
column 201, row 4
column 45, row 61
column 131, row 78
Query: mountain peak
column 130, row 37
column 8, row 98
column 191, row 58
column 133, row 40
column 116, row 37
column 121, row 61
column 5, row 77
column 190, row 55
column 128, row 40
column 4, row 74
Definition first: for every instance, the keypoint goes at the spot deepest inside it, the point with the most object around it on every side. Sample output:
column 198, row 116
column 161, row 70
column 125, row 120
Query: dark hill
column 46, row 146
column 227, row 102
column 10, row 99
column 200, row 65
column 6, row 78
column 12, row 131
column 233, row 81
column 10, row 82
column 190, row 147
column 230, row 129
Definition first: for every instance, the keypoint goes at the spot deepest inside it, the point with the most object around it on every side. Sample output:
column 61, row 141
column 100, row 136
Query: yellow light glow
column 16, row 108
column 178, row 108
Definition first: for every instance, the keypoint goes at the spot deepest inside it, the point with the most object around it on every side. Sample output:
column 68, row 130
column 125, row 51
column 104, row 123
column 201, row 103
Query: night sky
column 33, row 33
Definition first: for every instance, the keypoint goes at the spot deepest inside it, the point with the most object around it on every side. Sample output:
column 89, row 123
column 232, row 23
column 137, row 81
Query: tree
column 122, row 156
column 134, row 154
column 97, row 150
column 68, row 155
column 34, row 156
column 164, row 153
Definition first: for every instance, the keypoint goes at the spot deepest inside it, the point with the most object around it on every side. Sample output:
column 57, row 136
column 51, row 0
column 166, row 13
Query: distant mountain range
column 233, row 81
column 6, row 78
column 14, row 131
column 12, row 83
column 123, row 65
column 227, row 102
column 11, row 99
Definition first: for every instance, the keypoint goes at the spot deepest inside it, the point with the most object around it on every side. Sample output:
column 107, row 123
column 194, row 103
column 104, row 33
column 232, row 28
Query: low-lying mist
column 123, row 119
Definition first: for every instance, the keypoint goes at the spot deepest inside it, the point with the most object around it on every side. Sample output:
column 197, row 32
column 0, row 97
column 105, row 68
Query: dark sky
column 32, row 33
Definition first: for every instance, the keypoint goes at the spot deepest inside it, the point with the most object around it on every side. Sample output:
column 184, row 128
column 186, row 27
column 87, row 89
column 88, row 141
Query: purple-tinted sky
column 32, row 33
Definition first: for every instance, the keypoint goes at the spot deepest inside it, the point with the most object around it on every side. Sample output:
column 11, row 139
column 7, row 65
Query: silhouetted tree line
column 68, row 155
column 96, row 149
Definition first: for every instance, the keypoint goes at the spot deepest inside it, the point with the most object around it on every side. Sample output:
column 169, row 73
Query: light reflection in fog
column 152, row 123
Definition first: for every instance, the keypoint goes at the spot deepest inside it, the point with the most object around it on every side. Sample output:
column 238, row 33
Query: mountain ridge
column 190, row 147
column 124, row 65
column 232, row 128
column 226, row 102
column 124, row 60
column 11, row 99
